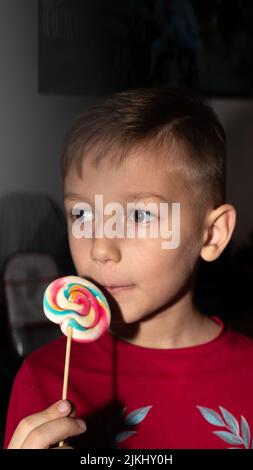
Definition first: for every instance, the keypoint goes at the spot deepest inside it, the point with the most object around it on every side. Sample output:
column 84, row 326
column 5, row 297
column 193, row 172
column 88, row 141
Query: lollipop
column 82, row 311
column 77, row 303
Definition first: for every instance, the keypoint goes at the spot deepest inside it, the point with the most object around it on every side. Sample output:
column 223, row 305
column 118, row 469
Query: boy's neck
column 179, row 326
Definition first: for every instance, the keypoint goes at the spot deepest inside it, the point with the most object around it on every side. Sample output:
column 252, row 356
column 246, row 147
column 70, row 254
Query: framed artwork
column 98, row 46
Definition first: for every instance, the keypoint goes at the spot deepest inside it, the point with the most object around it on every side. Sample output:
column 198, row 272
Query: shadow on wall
column 237, row 118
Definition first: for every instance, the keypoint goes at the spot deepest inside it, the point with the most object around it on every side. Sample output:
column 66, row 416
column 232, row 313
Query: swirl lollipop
column 76, row 303
column 81, row 310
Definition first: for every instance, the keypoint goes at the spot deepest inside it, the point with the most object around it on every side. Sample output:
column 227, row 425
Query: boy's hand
column 49, row 427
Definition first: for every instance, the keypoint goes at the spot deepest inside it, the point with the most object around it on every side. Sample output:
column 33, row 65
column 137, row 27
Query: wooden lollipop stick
column 66, row 370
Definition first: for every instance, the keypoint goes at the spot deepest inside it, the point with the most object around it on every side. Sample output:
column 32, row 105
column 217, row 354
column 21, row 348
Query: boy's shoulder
column 242, row 339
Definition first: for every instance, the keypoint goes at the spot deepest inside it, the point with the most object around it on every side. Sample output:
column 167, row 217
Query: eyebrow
column 127, row 195
column 73, row 196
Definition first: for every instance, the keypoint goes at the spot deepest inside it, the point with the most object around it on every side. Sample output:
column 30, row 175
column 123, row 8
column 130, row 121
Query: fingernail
column 63, row 406
column 82, row 424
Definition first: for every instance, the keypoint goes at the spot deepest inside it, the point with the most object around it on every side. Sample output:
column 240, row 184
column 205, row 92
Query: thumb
column 57, row 410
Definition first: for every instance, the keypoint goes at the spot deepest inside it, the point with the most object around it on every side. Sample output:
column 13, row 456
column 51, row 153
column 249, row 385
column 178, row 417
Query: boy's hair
column 154, row 119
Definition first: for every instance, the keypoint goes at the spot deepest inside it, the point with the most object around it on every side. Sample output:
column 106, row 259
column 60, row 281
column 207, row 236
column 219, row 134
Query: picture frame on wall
column 93, row 46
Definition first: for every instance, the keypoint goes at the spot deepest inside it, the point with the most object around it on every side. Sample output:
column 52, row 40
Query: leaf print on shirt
column 234, row 433
column 130, row 420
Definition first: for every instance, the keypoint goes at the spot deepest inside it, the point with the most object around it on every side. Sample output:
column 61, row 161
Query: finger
column 58, row 409
column 53, row 432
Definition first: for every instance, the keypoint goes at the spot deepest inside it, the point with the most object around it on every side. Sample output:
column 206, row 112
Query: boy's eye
column 83, row 214
column 140, row 216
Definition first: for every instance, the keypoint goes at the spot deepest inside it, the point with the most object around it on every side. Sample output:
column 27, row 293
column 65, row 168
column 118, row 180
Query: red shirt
column 136, row 397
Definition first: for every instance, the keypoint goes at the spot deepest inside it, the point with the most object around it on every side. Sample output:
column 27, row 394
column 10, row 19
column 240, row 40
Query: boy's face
column 151, row 278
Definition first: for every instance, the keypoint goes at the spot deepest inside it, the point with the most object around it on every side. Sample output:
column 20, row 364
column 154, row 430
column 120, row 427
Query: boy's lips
column 115, row 289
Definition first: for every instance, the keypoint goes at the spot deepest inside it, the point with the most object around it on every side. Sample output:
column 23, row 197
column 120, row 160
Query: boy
column 165, row 375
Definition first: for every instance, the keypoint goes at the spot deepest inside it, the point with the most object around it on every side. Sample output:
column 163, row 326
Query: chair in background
column 25, row 278
column 30, row 224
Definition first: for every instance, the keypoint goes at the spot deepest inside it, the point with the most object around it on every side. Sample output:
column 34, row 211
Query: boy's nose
column 105, row 249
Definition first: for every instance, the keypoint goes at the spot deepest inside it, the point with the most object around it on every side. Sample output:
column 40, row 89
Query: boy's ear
column 218, row 230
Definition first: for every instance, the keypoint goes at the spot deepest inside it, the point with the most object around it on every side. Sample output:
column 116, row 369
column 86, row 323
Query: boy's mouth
column 116, row 289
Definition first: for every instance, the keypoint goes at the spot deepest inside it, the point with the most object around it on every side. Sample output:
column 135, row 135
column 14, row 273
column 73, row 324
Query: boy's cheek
column 78, row 253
